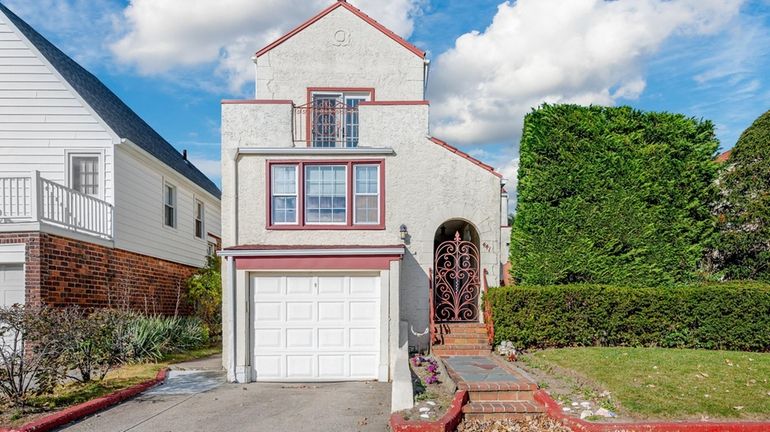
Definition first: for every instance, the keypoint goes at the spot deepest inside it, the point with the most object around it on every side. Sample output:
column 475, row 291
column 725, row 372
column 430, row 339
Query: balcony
column 326, row 122
column 35, row 199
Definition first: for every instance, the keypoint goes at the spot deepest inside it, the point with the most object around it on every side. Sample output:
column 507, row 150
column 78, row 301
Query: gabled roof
column 344, row 4
column 113, row 111
column 724, row 157
column 462, row 154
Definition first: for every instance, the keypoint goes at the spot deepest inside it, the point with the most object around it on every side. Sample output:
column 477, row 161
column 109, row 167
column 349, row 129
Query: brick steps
column 518, row 410
column 462, row 339
column 461, row 350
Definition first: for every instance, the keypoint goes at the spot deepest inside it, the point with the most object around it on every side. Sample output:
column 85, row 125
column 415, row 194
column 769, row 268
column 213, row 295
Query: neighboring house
column 96, row 208
column 338, row 206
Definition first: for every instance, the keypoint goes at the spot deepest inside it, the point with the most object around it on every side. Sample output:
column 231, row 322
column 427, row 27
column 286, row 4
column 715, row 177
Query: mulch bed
column 542, row 424
column 431, row 398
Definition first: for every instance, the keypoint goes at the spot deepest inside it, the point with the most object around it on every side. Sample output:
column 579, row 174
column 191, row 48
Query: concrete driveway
column 201, row 401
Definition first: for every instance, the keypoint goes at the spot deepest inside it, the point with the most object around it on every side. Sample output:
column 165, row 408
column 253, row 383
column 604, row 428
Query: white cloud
column 161, row 36
column 535, row 51
column 212, row 168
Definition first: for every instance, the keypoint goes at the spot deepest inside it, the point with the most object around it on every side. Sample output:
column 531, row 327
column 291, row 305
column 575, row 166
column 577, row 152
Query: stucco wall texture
column 425, row 184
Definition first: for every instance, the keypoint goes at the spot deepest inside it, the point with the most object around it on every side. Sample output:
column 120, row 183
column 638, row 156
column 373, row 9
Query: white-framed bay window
column 284, row 194
column 326, row 194
column 366, row 193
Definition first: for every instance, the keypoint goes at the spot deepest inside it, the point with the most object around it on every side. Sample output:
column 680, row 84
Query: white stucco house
column 339, row 207
column 96, row 208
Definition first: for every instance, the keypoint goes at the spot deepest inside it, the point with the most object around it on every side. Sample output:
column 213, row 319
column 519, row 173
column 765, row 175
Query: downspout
column 231, row 273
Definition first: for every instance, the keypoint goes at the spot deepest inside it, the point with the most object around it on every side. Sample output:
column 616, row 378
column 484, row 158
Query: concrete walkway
column 194, row 400
column 484, row 369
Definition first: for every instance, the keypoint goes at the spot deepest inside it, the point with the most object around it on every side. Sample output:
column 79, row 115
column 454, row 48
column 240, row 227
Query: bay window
column 325, row 195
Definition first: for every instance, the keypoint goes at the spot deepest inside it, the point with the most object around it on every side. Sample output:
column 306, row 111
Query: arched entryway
column 456, row 273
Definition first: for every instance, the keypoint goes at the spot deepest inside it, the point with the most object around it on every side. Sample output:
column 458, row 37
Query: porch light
column 402, row 232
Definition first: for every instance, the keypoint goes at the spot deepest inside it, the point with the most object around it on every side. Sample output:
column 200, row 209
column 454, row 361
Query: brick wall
column 62, row 271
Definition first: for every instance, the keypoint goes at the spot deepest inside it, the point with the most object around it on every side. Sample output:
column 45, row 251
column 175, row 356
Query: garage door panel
column 366, row 311
column 316, row 327
column 268, row 311
column 331, row 311
column 299, row 311
column 301, row 286
column 332, row 285
column 300, row 338
column 331, row 338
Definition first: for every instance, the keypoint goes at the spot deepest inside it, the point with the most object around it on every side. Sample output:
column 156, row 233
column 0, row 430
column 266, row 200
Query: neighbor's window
column 84, row 174
column 200, row 211
column 284, row 194
column 169, row 205
column 326, row 194
column 366, row 185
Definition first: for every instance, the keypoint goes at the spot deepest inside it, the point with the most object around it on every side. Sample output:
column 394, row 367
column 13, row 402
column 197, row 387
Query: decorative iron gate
column 456, row 281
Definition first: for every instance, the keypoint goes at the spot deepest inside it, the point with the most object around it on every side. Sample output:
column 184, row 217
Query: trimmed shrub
column 612, row 195
column 204, row 293
column 731, row 316
column 742, row 249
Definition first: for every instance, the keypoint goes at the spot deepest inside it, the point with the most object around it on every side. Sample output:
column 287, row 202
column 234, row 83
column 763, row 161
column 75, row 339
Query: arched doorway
column 456, row 275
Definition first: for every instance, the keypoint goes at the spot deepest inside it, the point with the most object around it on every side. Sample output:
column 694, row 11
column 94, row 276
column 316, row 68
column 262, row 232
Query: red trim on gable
column 355, row 11
column 257, row 102
column 388, row 103
column 333, row 262
column 301, row 225
column 465, row 155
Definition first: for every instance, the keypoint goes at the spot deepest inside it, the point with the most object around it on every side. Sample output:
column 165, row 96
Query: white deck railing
column 35, row 199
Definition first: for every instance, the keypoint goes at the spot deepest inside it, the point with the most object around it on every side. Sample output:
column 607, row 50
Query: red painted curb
column 447, row 423
column 76, row 412
column 553, row 410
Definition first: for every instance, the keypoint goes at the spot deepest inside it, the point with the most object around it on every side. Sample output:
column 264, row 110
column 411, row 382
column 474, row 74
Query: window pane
column 325, row 194
column 367, row 209
column 169, row 216
column 85, row 174
column 367, row 179
column 284, row 180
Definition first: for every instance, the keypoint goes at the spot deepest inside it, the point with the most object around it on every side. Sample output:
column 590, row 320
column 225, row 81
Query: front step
column 518, row 410
column 462, row 350
column 465, row 328
column 464, row 339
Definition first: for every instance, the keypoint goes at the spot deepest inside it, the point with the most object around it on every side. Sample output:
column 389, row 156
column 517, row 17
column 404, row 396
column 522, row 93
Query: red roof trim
column 260, row 247
column 358, row 13
column 416, row 102
column 257, row 102
column 465, row 155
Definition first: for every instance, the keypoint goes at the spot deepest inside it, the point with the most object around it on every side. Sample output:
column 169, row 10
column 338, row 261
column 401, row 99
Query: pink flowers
column 430, row 365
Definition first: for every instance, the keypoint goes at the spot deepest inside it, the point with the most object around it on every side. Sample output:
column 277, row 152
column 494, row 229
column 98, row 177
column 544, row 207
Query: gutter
column 310, row 251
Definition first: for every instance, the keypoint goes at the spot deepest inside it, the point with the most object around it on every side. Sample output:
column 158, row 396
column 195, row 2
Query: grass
column 669, row 383
column 118, row 379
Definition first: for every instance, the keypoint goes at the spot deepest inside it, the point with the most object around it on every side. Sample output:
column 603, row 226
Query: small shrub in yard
column 153, row 337
column 32, row 357
column 733, row 316
column 205, row 295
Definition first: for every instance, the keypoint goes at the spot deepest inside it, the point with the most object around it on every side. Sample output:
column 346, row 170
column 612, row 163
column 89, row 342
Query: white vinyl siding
column 41, row 118
column 139, row 225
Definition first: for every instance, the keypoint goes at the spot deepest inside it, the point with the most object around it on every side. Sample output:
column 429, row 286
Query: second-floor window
column 84, row 174
column 200, row 214
column 169, row 205
column 319, row 195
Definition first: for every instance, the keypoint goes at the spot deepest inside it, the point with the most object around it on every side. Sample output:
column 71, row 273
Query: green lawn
column 669, row 383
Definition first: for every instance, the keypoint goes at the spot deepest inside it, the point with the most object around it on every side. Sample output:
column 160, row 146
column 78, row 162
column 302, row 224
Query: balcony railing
column 35, row 199
column 326, row 123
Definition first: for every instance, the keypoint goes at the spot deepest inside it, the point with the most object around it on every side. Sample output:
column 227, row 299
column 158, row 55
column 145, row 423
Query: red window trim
column 301, row 225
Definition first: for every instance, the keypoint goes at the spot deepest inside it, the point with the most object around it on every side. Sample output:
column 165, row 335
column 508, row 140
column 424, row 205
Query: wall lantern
column 402, row 232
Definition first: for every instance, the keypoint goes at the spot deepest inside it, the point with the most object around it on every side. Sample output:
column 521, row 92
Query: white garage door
column 316, row 327
column 11, row 284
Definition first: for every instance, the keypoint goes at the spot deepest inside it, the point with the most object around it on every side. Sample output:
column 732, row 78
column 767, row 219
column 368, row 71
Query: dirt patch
column 433, row 389
column 541, row 424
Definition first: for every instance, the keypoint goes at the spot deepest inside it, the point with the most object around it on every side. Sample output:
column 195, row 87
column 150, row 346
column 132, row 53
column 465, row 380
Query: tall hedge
column 742, row 249
column 724, row 316
column 612, row 195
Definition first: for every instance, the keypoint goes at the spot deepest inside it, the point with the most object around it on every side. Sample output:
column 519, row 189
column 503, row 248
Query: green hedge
column 731, row 316
column 612, row 195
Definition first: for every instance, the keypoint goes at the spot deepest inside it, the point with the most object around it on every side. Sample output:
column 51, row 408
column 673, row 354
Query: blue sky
column 173, row 61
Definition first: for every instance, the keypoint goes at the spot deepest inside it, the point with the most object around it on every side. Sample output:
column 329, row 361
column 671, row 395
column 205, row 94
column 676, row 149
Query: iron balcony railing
column 326, row 123
column 35, row 199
